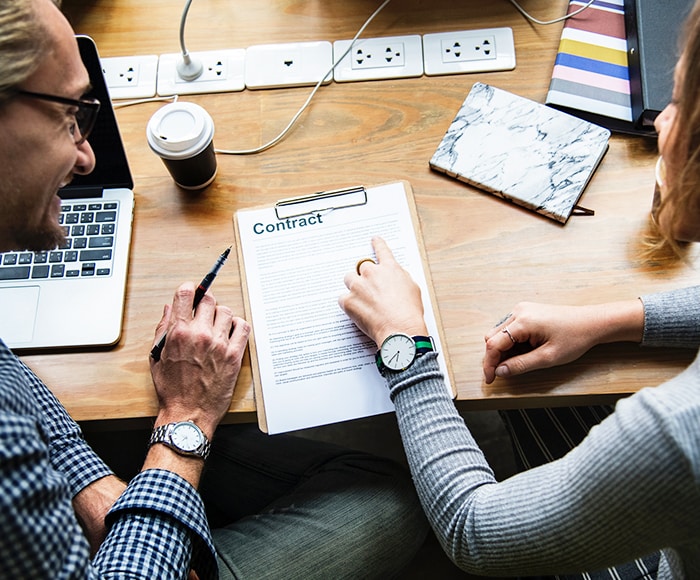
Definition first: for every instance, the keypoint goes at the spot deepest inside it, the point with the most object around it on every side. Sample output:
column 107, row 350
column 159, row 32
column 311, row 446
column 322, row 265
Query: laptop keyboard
column 88, row 250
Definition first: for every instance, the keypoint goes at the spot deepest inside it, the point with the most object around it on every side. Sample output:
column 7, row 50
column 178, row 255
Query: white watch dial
column 186, row 436
column 398, row 352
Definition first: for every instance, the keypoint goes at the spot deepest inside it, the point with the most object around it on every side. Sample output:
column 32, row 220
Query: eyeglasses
column 85, row 115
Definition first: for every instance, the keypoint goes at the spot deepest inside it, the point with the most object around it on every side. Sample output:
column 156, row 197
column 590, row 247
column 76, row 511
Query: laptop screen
column 111, row 167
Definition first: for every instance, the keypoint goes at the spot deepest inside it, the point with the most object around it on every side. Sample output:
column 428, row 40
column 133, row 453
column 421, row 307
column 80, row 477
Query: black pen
column 198, row 295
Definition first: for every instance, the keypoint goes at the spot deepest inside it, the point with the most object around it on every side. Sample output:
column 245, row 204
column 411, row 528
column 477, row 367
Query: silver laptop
column 73, row 296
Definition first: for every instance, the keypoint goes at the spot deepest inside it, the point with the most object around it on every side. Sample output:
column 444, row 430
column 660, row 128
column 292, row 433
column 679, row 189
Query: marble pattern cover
column 522, row 151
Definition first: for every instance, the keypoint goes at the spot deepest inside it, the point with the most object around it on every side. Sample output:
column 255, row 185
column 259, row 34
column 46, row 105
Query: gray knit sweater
column 630, row 488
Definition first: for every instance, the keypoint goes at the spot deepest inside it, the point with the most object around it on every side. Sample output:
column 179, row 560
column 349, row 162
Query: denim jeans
column 288, row 507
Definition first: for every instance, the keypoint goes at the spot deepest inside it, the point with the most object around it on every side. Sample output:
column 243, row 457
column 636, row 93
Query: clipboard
column 353, row 209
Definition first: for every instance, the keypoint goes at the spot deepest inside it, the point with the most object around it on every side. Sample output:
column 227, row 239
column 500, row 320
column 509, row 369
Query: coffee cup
column 181, row 134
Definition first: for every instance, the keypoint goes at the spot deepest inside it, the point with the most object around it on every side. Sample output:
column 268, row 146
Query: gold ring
column 362, row 261
column 505, row 329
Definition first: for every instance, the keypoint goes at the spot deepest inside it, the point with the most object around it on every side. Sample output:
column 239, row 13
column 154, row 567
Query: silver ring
column 362, row 261
column 505, row 329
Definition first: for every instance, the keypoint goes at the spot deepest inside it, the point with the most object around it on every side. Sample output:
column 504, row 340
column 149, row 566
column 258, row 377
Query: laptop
column 73, row 296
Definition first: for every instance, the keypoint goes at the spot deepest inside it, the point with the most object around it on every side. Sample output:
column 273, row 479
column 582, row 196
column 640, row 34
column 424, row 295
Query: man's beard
column 40, row 239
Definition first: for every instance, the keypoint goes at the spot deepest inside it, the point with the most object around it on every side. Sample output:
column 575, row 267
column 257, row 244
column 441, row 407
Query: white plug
column 189, row 69
column 223, row 71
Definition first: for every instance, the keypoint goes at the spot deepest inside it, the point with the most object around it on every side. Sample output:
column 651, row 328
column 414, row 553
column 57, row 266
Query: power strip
column 390, row 57
column 304, row 63
column 131, row 77
column 469, row 51
column 223, row 72
column 288, row 65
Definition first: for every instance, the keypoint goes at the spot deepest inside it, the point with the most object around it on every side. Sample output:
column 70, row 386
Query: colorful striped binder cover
column 590, row 72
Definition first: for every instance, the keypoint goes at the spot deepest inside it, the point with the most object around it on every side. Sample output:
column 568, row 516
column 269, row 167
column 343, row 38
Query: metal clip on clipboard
column 320, row 202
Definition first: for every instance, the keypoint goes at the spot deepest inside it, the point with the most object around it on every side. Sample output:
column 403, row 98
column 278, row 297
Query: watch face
column 398, row 352
column 186, row 436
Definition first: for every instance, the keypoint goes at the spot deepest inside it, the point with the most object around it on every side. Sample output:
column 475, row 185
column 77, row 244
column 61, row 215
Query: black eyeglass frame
column 85, row 117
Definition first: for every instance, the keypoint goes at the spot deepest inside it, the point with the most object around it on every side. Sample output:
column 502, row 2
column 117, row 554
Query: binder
column 653, row 29
column 310, row 364
column 590, row 78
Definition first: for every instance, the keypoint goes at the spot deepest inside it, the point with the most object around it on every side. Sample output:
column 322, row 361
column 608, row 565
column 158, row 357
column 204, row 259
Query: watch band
column 424, row 344
column 162, row 434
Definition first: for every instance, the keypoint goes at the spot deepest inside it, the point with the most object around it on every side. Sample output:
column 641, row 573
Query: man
column 284, row 508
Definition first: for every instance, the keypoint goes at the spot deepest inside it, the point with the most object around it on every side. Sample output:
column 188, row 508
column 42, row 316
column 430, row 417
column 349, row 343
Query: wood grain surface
column 484, row 254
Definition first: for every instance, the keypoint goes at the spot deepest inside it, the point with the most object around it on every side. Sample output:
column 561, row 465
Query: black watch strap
column 423, row 344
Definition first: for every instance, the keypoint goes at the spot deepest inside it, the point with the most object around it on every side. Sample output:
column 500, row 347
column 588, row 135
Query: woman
column 631, row 488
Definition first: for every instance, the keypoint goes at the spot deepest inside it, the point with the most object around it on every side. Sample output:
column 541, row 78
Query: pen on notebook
column 198, row 295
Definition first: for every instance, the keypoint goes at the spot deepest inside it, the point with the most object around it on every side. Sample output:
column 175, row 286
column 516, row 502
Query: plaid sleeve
column 69, row 453
column 157, row 525
column 39, row 534
column 158, row 528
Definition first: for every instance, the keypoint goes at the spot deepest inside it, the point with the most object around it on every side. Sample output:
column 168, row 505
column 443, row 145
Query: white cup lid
column 179, row 130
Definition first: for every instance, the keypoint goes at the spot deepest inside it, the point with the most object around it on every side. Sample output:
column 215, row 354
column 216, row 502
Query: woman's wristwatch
column 399, row 351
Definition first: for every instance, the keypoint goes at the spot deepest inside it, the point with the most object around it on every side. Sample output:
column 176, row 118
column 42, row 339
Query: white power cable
column 546, row 22
column 188, row 68
column 298, row 114
column 286, row 130
column 121, row 104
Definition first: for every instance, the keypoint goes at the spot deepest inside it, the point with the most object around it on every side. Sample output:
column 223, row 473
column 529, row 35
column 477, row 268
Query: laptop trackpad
column 17, row 313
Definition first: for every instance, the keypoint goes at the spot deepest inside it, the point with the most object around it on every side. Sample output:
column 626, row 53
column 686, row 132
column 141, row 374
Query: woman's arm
column 536, row 336
column 626, row 491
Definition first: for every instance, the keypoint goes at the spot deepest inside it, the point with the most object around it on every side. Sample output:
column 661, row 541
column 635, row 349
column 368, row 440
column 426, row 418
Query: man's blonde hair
column 22, row 42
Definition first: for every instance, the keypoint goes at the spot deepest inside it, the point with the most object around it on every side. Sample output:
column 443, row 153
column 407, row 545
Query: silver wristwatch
column 398, row 351
column 183, row 437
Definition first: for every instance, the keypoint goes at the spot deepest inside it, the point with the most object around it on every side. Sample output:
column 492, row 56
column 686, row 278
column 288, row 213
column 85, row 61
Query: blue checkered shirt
column 157, row 528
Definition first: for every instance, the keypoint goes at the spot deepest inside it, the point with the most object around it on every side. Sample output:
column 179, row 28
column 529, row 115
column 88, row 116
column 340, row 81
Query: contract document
column 311, row 365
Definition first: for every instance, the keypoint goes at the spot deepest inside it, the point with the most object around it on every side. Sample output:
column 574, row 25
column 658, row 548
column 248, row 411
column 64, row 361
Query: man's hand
column 199, row 365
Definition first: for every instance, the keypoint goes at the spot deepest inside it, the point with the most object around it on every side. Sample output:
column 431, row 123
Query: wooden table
column 485, row 255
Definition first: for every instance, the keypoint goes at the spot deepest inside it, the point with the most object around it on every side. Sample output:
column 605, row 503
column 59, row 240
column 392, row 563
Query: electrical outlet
column 469, row 51
column 130, row 77
column 223, row 72
column 389, row 57
column 366, row 57
column 295, row 64
column 482, row 48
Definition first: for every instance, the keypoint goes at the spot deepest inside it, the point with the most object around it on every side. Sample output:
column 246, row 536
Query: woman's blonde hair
column 685, row 188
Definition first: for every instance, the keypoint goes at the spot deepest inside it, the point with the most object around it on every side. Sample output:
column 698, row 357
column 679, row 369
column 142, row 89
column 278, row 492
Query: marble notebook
column 521, row 150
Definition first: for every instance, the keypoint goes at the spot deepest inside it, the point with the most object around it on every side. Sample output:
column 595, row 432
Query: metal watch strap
column 161, row 434
column 424, row 344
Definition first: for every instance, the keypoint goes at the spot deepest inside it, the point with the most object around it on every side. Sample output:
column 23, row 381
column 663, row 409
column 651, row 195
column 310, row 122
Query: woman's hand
column 555, row 335
column 383, row 298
